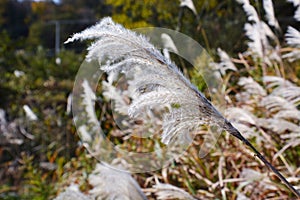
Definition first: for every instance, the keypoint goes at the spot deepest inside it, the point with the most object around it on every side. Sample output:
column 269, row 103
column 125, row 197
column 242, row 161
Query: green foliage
column 214, row 19
column 44, row 86
column 136, row 14
column 36, row 183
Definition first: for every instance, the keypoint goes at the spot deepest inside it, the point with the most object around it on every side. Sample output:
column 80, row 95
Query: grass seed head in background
column 110, row 183
column 158, row 83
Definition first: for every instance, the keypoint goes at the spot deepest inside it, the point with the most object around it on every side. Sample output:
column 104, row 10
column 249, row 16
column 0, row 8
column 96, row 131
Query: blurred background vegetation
column 39, row 157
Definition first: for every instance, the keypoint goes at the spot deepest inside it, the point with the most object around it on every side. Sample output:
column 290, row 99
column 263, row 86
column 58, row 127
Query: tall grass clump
column 263, row 99
column 156, row 80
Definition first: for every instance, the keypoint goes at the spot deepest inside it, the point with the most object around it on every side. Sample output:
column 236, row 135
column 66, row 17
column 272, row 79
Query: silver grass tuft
column 158, row 84
column 279, row 126
column 29, row 113
column 111, row 184
column 292, row 38
column 167, row 191
column 250, row 11
column 275, row 81
column 89, row 99
column 260, row 33
column 285, row 89
column 255, row 182
column 251, row 86
column 189, row 4
column 157, row 81
column 72, row 193
column 269, row 9
column 276, row 103
column 225, row 62
column 168, row 44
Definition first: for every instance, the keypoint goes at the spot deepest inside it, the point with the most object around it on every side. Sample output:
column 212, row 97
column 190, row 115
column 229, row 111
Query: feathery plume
column 241, row 115
column 85, row 136
column 279, row 126
column 275, row 103
column 226, row 63
column 255, row 180
column 284, row 98
column 167, row 191
column 189, row 4
column 29, row 113
column 158, row 83
column 112, row 93
column 269, row 9
column 249, row 10
column 69, row 103
column 293, row 37
column 260, row 33
column 72, row 193
column 275, row 81
column 253, row 33
column 110, row 184
column 168, row 44
column 291, row 94
column 293, row 55
column 19, row 73
column 251, row 86
column 89, row 98
column 3, row 121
